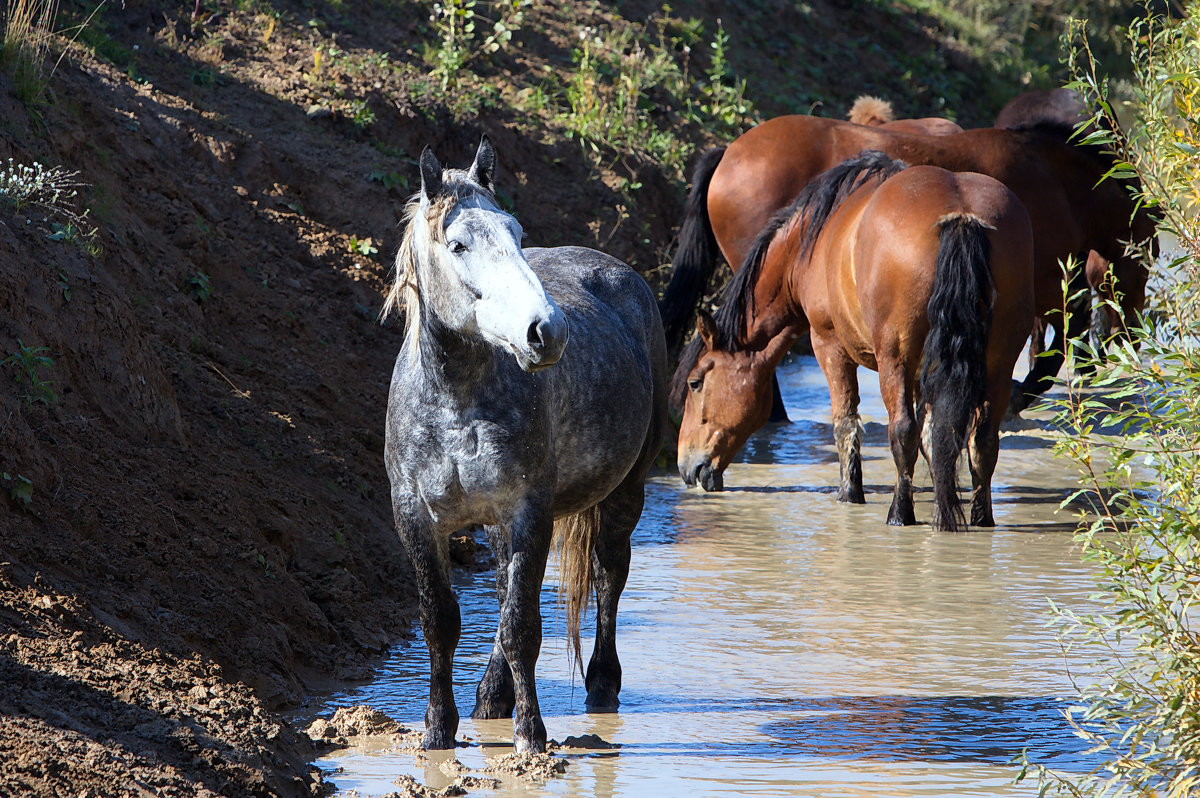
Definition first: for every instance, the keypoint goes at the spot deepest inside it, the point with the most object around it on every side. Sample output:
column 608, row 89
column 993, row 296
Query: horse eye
column 458, row 247
column 696, row 383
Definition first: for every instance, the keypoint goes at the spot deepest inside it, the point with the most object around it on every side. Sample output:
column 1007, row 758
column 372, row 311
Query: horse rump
column 954, row 366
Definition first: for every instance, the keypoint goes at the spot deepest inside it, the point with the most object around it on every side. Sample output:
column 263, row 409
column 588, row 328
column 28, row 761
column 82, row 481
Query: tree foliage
column 1131, row 424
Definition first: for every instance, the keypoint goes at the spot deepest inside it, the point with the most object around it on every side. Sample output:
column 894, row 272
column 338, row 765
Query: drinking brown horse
column 921, row 274
column 737, row 189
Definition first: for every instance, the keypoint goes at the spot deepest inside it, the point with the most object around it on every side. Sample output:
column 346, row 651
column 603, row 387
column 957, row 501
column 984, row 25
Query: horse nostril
column 534, row 336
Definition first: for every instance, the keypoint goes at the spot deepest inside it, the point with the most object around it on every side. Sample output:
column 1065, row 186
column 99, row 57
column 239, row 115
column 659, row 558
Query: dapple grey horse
column 529, row 397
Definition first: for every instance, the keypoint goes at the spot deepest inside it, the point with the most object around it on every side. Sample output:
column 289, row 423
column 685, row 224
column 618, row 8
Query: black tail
column 954, row 369
column 695, row 258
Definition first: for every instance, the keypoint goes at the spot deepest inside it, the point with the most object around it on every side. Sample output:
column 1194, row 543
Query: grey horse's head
column 462, row 256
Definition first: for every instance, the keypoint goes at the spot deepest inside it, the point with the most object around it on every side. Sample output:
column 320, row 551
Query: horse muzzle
column 699, row 470
column 545, row 341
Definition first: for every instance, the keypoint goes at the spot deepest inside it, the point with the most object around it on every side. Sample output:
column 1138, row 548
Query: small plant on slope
column 456, row 22
column 29, row 361
column 28, row 28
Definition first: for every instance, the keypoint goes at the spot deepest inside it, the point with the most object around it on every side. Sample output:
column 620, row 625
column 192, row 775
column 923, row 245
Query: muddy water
column 776, row 642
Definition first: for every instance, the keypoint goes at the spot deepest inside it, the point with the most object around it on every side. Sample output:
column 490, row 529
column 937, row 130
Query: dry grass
column 28, row 29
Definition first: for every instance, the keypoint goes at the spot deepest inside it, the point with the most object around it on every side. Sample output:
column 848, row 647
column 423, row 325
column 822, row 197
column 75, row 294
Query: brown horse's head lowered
column 921, row 274
column 729, row 398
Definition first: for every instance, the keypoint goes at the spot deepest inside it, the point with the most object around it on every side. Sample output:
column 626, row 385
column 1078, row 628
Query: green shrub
column 631, row 91
column 456, row 24
column 29, row 363
column 1133, row 429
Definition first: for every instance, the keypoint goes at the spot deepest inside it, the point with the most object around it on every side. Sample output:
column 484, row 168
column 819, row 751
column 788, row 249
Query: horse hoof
column 529, row 746
column 436, row 741
column 602, row 699
column 602, row 708
column 492, row 710
column 529, row 743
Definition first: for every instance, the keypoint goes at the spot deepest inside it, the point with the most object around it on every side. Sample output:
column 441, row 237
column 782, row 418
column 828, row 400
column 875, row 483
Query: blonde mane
column 404, row 294
column 871, row 111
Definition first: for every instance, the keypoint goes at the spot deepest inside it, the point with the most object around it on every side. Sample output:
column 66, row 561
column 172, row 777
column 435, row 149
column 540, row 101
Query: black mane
column 814, row 205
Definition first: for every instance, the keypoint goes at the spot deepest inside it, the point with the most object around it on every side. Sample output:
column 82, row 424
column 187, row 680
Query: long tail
column 695, row 258
column 954, row 368
column 576, row 535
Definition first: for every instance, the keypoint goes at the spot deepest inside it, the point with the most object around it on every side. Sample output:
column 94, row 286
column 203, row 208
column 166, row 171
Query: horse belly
column 594, row 457
column 604, row 386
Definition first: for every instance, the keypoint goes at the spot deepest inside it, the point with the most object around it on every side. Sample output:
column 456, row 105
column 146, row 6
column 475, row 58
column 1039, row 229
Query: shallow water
column 776, row 642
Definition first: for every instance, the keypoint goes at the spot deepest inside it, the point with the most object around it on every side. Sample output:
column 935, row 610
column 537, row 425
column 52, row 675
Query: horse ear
column 483, row 170
column 707, row 328
column 431, row 174
column 778, row 346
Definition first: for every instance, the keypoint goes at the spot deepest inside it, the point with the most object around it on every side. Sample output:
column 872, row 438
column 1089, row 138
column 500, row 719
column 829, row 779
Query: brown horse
column 1066, row 109
column 736, row 190
column 921, row 274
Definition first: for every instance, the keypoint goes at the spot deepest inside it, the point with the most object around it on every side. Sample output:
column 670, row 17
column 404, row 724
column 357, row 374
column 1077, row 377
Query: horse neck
column 456, row 363
column 776, row 309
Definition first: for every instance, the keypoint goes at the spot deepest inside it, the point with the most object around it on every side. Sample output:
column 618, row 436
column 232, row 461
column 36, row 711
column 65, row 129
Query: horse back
column 603, row 298
column 609, row 389
column 885, row 250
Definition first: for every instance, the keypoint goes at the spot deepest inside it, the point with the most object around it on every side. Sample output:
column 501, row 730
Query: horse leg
column 619, row 514
column 983, row 448
column 778, row 411
column 440, row 621
column 520, row 632
column 494, row 697
column 903, row 437
column 841, row 373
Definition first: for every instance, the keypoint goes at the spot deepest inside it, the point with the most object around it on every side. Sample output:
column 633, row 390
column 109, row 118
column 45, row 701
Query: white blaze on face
column 505, row 302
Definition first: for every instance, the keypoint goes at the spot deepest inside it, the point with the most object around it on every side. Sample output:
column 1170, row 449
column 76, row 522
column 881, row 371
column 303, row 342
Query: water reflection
column 777, row 642
column 982, row 729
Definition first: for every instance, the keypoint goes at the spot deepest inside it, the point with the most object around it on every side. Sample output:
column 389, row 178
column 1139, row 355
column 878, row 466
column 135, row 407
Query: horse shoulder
column 455, row 455
column 612, row 370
